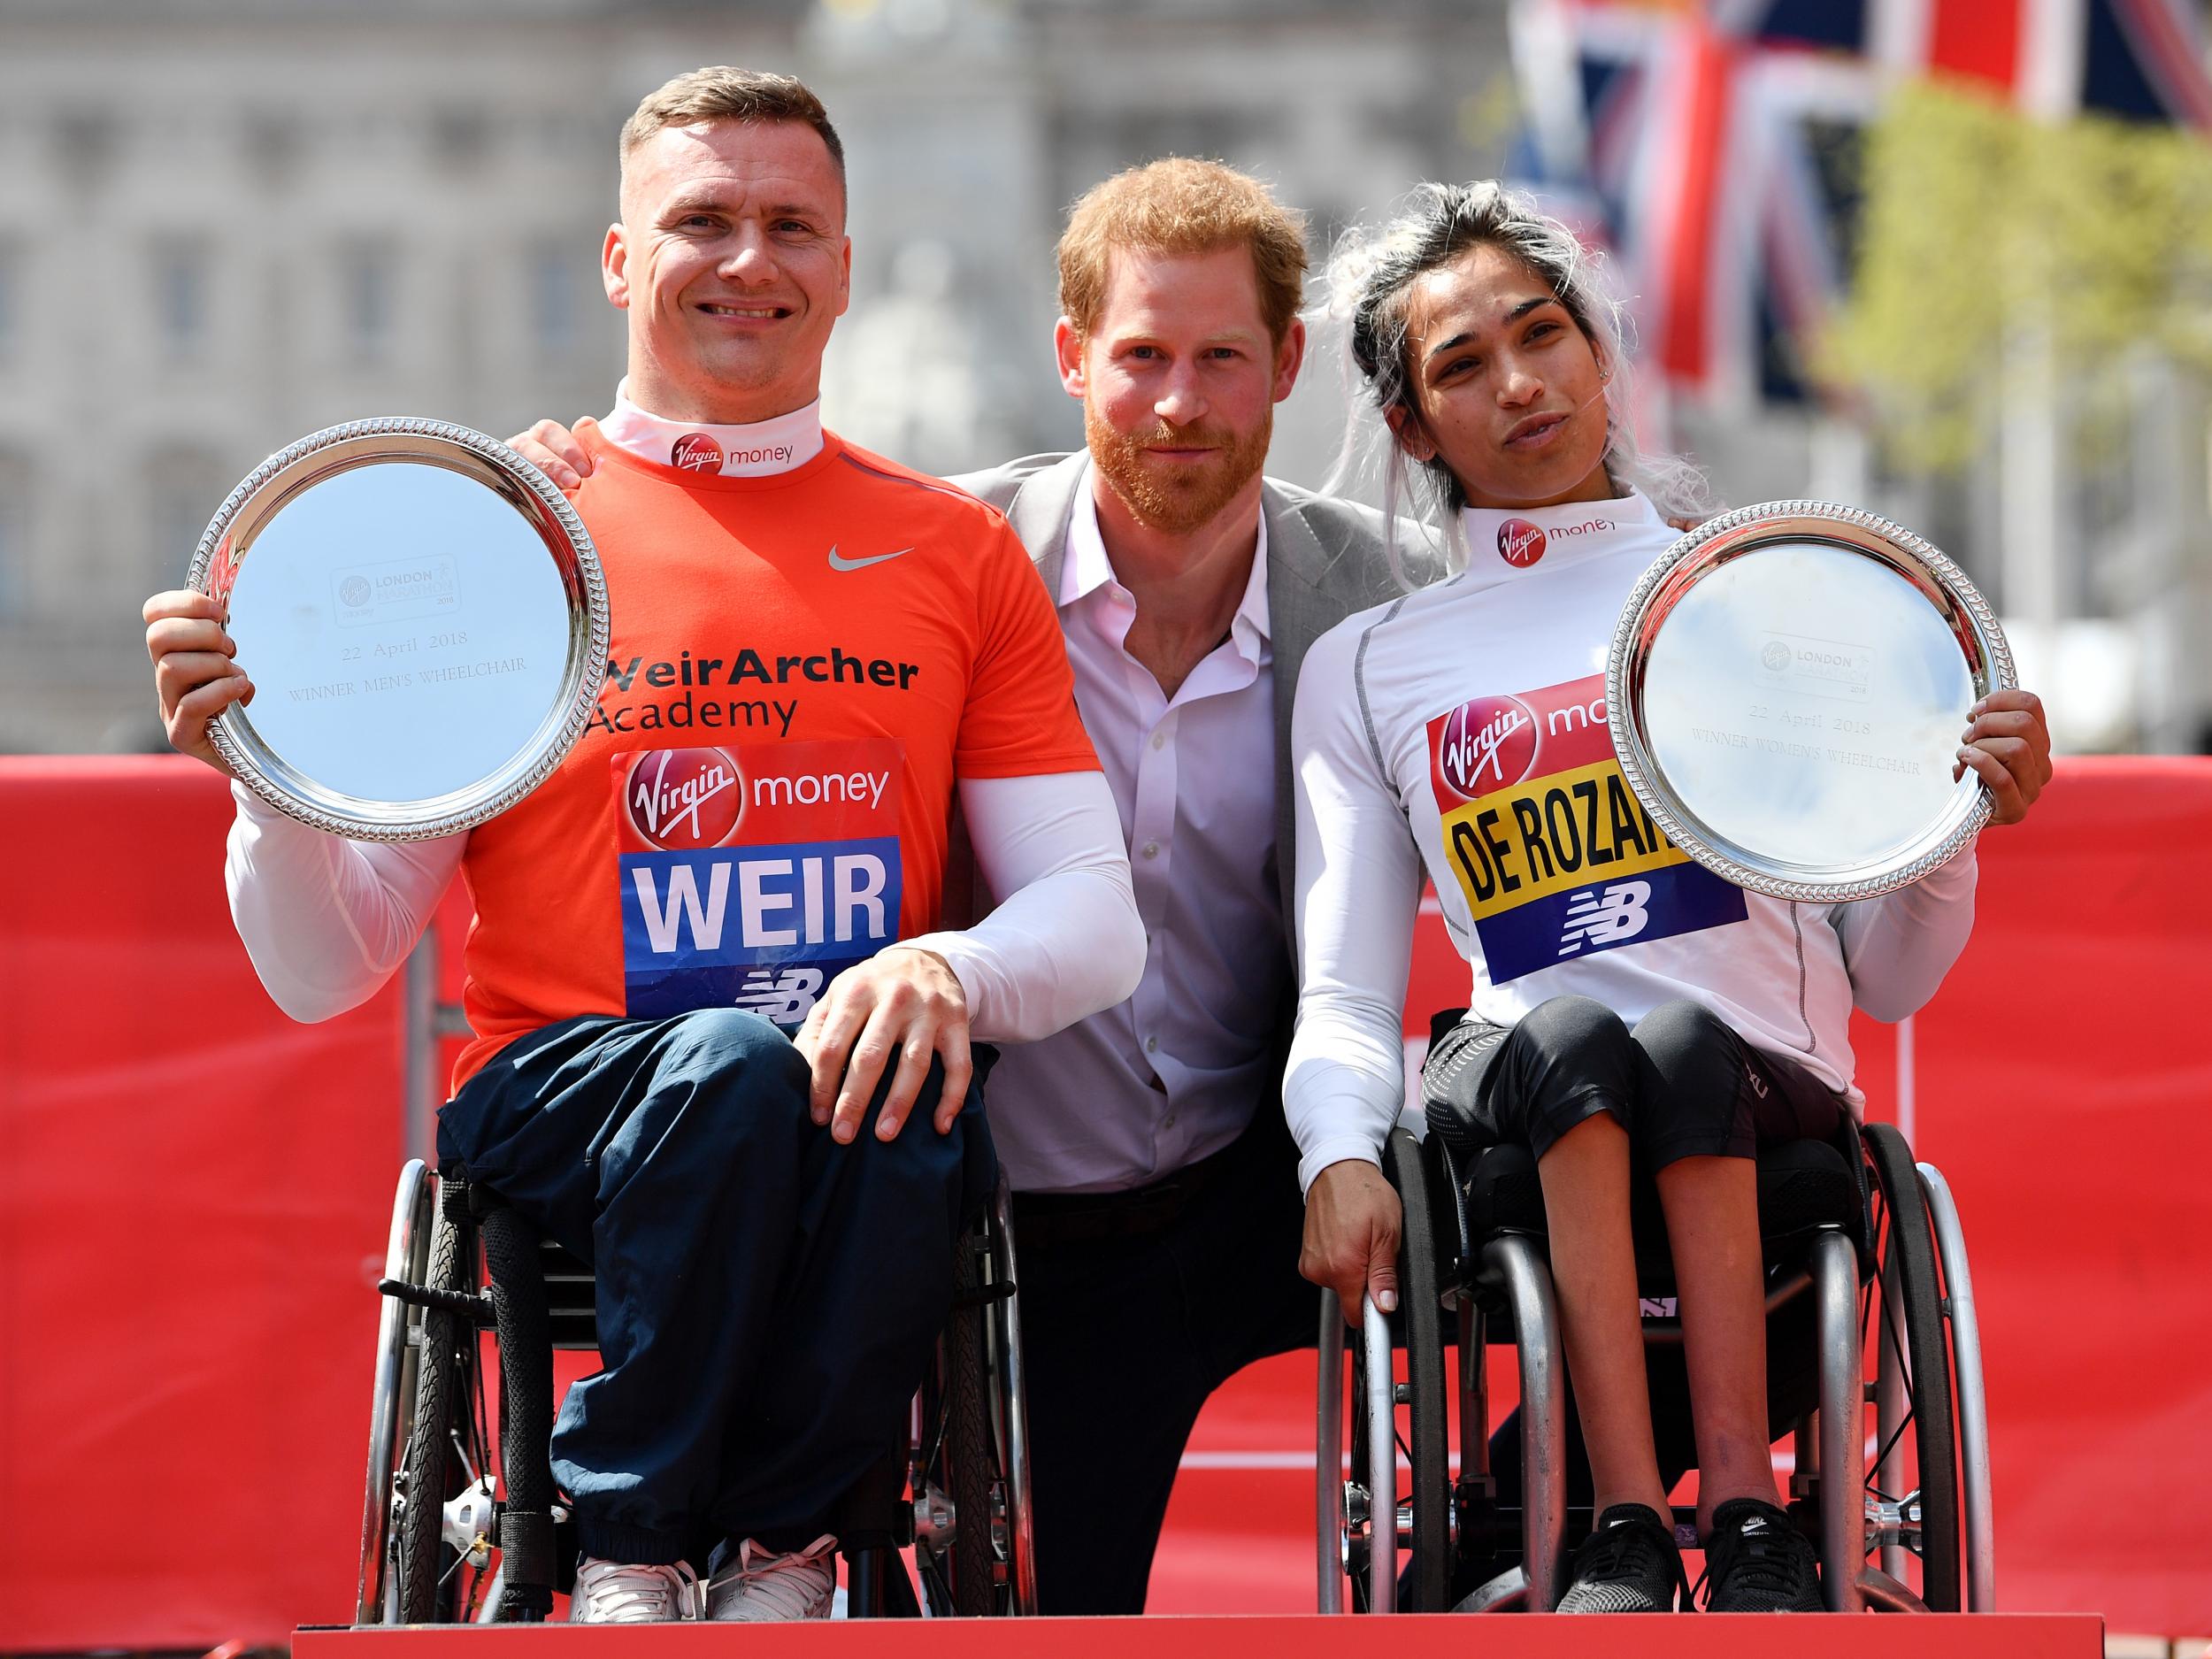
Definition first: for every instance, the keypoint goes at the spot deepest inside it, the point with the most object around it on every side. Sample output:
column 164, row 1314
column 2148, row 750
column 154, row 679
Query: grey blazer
column 1325, row 561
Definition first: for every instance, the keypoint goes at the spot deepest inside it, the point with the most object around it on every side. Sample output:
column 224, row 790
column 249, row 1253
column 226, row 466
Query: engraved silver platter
column 1787, row 687
column 424, row 620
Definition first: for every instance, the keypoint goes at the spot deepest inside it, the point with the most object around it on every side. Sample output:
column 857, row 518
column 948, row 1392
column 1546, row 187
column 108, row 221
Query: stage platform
column 1648, row 1636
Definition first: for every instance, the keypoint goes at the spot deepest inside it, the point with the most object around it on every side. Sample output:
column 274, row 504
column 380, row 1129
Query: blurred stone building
column 225, row 223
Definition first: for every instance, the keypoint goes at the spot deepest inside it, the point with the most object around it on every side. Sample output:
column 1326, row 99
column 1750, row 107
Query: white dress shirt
column 1133, row 1093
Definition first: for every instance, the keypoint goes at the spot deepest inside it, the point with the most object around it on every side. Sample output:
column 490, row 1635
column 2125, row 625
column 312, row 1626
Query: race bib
column 1556, row 857
column 753, row 875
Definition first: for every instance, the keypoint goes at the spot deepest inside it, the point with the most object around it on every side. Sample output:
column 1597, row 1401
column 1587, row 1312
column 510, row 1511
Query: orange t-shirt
column 800, row 667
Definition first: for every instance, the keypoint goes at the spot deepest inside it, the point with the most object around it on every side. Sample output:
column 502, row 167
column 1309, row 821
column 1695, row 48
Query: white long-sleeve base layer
column 326, row 920
column 1460, row 733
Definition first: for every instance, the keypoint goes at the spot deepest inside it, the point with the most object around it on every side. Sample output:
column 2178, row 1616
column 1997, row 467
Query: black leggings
column 1682, row 1084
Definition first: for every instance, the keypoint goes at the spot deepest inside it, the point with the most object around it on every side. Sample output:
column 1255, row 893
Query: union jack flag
column 1711, row 149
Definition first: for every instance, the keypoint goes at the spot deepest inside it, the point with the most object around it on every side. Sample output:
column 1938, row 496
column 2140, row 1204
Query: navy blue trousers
column 1135, row 1307
column 767, row 1298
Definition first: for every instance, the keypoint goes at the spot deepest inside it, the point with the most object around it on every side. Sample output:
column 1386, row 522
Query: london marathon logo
column 680, row 799
column 1486, row 743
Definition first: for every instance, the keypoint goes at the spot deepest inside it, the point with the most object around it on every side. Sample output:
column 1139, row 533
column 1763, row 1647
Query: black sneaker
column 1757, row 1562
column 1628, row 1565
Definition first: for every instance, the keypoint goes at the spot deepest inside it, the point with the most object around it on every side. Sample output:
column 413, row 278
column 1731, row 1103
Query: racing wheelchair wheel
column 1913, row 1387
column 392, row 1394
column 444, row 1505
column 1361, row 1519
column 977, row 1558
column 966, row 1440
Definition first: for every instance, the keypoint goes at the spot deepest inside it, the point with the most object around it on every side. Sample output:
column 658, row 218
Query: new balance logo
column 781, row 999
column 1612, row 916
column 837, row 563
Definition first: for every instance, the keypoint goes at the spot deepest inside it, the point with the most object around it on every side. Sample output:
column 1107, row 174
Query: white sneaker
column 754, row 1585
column 615, row 1593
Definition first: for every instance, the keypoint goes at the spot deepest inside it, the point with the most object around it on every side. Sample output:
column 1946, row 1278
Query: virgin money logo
column 1485, row 744
column 1520, row 543
column 683, row 799
column 696, row 452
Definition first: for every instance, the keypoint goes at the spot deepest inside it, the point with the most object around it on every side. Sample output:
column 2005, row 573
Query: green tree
column 1981, row 223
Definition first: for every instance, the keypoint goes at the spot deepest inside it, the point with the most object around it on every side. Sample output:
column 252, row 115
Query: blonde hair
column 1177, row 206
column 720, row 92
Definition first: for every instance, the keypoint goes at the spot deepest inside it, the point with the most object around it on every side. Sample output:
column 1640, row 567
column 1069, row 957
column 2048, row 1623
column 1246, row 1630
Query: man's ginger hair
column 1182, row 206
column 721, row 93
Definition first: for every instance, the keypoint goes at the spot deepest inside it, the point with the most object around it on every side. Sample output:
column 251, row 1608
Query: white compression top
column 1460, row 732
column 328, row 920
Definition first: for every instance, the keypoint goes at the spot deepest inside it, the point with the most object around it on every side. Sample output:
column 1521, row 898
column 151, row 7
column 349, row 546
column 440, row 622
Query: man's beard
column 1176, row 497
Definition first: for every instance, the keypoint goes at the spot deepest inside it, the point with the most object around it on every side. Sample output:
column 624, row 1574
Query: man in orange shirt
column 812, row 650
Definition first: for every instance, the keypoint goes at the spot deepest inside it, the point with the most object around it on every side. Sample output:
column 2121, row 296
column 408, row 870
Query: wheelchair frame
column 1919, row 1288
column 966, row 1459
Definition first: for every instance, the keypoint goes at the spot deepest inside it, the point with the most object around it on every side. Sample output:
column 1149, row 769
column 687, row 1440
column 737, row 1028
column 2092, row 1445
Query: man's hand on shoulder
column 901, row 1004
column 1353, row 1224
column 556, row 451
column 195, row 671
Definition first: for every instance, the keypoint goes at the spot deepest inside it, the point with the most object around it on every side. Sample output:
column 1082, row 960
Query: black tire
column 1906, row 1239
column 1428, row 1581
column 429, row 1592
column 971, row 1457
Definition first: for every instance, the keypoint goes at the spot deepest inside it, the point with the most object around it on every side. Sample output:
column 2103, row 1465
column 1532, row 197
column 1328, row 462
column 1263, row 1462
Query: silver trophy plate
column 1787, row 688
column 423, row 618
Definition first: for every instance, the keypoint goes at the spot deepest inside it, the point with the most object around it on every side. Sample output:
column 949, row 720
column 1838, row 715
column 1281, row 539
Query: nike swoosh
column 837, row 563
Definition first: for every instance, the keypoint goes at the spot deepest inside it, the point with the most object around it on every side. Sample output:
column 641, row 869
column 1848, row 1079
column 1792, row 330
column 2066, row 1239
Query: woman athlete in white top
column 1622, row 1000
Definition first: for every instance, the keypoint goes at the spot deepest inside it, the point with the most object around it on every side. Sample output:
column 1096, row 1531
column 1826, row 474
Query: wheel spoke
column 1882, row 1457
column 476, row 1393
column 1893, row 1327
column 462, row 1452
column 457, row 1561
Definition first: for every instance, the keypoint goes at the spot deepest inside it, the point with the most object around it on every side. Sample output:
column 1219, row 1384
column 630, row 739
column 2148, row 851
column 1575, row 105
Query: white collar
column 1516, row 543
column 1087, row 568
column 760, row 449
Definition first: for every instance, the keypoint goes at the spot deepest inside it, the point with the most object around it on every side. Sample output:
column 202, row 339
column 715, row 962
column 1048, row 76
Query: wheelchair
column 1854, row 1227
column 450, row 1536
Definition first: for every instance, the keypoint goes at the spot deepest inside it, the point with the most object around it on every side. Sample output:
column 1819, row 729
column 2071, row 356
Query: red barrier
column 192, row 1213
column 1433, row 1636
column 195, row 1194
column 2062, row 1085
